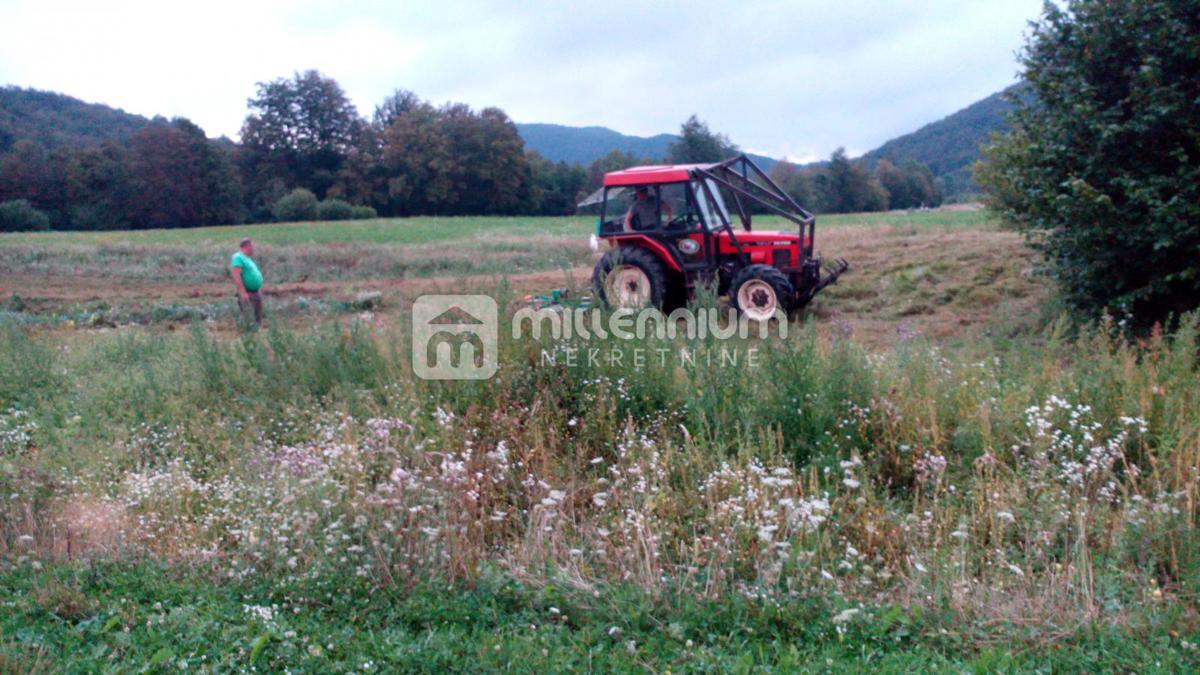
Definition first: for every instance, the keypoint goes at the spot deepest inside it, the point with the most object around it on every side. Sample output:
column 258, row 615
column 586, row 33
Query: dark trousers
column 255, row 303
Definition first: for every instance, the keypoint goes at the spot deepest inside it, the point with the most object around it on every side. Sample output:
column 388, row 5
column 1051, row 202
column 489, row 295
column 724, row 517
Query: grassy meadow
column 931, row 471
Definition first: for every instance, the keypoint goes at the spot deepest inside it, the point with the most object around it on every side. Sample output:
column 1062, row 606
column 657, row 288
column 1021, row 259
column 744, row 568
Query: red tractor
column 669, row 229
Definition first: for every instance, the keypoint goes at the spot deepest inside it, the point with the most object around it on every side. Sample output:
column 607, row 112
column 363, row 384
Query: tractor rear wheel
column 757, row 291
column 630, row 277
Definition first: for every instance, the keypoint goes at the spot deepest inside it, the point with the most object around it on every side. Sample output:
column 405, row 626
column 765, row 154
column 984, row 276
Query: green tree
column 910, row 186
column 7, row 135
column 398, row 103
column 896, row 183
column 414, row 163
column 23, row 172
column 449, row 160
column 181, row 178
column 798, row 183
column 848, row 187
column 98, row 187
column 615, row 160
column 556, row 187
column 1102, row 167
column 697, row 144
column 18, row 215
column 299, row 130
column 297, row 205
column 335, row 209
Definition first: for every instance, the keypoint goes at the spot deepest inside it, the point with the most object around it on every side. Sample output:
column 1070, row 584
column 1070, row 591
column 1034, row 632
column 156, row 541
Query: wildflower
column 443, row 417
column 1005, row 516
column 845, row 615
column 500, row 454
column 851, row 483
column 260, row 612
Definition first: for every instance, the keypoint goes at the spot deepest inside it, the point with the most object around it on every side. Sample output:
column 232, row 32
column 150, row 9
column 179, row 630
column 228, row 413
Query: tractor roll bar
column 770, row 195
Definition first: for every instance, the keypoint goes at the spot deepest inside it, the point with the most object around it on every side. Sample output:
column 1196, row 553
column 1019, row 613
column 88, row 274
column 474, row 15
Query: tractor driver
column 643, row 212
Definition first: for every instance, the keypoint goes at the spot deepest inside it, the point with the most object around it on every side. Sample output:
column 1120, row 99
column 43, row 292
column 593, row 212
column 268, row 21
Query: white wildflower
column 845, row 615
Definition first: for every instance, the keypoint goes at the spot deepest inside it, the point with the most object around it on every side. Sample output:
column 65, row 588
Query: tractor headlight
column 689, row 246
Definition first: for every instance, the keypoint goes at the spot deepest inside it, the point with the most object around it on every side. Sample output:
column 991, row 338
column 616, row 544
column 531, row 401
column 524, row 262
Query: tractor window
column 678, row 212
column 665, row 207
column 652, row 207
column 714, row 211
column 642, row 208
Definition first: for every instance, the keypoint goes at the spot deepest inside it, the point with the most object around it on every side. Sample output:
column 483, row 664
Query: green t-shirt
column 251, row 276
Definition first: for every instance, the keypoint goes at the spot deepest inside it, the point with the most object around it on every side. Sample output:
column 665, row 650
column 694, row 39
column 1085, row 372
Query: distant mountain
column 948, row 147
column 584, row 145
column 951, row 145
column 53, row 120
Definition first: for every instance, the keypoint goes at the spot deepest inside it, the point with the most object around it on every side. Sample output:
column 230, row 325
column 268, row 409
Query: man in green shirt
column 248, row 279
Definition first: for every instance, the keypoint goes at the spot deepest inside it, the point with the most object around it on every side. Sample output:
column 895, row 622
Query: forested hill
column 951, row 145
column 55, row 120
column 304, row 142
column 948, row 147
column 584, row 145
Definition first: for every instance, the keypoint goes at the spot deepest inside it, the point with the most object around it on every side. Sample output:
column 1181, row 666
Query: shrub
column 1101, row 168
column 299, row 204
column 365, row 213
column 335, row 209
column 18, row 215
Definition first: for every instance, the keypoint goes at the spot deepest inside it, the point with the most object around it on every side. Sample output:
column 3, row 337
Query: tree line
column 307, row 153
column 845, row 186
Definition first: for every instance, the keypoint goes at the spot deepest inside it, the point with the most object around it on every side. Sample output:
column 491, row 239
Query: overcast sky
column 794, row 79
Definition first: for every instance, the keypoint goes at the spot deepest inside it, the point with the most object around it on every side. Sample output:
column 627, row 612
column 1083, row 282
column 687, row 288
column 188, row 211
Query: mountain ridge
column 951, row 146
column 584, row 145
column 54, row 120
column 948, row 146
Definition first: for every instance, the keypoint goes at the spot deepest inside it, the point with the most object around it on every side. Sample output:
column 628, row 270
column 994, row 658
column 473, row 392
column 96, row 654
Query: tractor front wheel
column 758, row 291
column 630, row 277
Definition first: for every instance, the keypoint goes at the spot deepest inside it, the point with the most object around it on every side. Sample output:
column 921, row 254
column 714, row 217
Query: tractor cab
column 671, row 227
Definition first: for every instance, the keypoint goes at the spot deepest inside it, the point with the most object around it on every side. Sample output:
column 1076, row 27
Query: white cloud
column 783, row 78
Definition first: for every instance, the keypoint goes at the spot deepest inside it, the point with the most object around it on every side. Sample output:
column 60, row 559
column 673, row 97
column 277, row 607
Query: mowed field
column 943, row 273
column 932, row 471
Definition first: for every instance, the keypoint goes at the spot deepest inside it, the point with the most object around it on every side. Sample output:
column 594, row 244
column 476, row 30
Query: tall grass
column 1054, row 483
